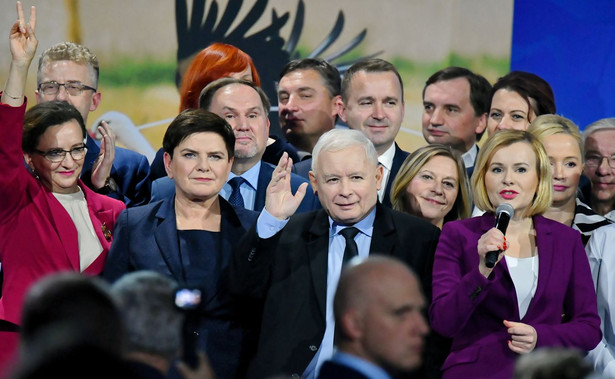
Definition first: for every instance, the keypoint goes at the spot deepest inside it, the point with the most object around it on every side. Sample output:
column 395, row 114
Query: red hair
column 213, row 62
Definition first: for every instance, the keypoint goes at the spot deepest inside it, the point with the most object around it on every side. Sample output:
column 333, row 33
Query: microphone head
column 505, row 208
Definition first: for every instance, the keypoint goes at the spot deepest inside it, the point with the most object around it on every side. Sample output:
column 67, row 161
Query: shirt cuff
column 267, row 225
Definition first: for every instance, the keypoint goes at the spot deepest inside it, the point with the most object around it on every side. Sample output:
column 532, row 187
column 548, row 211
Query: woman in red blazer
column 540, row 291
column 49, row 220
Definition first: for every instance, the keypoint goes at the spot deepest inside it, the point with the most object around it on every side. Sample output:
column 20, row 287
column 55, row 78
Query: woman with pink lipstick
column 190, row 237
column 562, row 141
column 49, row 220
column 432, row 184
column 540, row 291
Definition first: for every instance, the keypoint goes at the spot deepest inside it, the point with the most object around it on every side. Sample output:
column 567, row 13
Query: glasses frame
column 82, row 88
column 609, row 159
column 72, row 151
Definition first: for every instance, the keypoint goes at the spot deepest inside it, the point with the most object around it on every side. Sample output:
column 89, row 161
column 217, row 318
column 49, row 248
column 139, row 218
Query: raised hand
column 22, row 39
column 101, row 169
column 523, row 337
column 280, row 201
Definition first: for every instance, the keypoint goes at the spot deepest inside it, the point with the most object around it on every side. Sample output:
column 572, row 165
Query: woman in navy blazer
column 190, row 237
column 540, row 291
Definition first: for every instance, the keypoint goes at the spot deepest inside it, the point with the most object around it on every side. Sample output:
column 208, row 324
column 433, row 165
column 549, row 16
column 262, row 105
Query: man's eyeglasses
column 58, row 155
column 73, row 87
column 596, row 160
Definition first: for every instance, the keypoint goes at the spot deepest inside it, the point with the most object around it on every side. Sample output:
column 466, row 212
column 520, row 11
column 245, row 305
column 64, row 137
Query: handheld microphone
column 503, row 213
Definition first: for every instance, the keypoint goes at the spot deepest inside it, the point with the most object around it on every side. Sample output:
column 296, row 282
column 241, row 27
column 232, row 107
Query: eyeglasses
column 58, row 155
column 596, row 160
column 73, row 87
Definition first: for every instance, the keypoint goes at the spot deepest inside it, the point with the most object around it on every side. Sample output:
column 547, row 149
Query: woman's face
column 508, row 111
column 512, row 178
column 245, row 74
column 200, row 166
column 566, row 165
column 60, row 177
column 432, row 192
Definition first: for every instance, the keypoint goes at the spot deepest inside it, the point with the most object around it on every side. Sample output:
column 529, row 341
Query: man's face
column 65, row 71
column 307, row 109
column 602, row 177
column 242, row 108
column 448, row 115
column 375, row 107
column 392, row 324
column 346, row 183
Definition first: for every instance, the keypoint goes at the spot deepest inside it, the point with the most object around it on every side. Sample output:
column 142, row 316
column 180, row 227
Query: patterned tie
column 236, row 199
column 351, row 249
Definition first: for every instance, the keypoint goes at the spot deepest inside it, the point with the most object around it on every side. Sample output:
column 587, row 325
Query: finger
column 32, row 20
column 522, row 338
column 300, row 194
column 516, row 349
column 21, row 18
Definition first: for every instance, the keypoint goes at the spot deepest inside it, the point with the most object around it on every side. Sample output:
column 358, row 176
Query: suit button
column 313, row 348
column 251, row 255
column 295, row 375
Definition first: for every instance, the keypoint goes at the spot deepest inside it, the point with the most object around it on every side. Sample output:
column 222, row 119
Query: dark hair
column 534, row 89
column 369, row 65
column 208, row 93
column 328, row 73
column 192, row 121
column 42, row 116
column 480, row 88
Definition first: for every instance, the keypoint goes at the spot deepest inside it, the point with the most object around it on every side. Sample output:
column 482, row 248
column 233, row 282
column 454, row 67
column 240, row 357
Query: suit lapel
column 65, row 227
column 318, row 252
column 166, row 238
column 383, row 234
column 264, row 176
column 544, row 244
column 398, row 160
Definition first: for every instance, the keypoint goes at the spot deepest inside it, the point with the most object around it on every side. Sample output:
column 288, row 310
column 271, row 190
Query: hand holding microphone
column 504, row 213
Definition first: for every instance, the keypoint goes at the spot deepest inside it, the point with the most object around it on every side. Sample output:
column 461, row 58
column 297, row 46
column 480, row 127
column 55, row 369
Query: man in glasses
column 69, row 72
column 599, row 138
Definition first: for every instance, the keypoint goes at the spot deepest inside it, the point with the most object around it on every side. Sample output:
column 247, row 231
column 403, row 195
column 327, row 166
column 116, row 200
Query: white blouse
column 524, row 274
column 77, row 208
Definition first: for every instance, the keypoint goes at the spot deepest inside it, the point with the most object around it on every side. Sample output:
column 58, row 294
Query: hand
column 493, row 240
column 523, row 337
column 101, row 169
column 202, row 371
column 280, row 201
column 22, row 39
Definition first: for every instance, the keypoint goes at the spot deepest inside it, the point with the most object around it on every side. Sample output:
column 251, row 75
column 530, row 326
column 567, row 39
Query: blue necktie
column 351, row 249
column 236, row 199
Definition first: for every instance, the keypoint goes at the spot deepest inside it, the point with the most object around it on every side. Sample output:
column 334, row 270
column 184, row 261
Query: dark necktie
column 236, row 199
column 351, row 249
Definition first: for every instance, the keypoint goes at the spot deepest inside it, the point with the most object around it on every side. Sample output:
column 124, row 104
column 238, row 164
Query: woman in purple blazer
column 540, row 291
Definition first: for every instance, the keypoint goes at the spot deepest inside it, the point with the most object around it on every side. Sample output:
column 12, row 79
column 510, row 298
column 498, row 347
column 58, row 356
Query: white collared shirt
column 247, row 188
column 386, row 161
column 469, row 157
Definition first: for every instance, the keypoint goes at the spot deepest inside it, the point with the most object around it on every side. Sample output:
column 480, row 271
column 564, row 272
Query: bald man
column 380, row 327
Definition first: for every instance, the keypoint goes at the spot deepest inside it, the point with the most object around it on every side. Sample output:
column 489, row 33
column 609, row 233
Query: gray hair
column 602, row 124
column 153, row 324
column 339, row 139
column 70, row 51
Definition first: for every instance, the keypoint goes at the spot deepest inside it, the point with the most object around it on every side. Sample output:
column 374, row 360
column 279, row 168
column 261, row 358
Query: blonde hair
column 462, row 208
column 544, row 193
column 550, row 124
column 70, row 51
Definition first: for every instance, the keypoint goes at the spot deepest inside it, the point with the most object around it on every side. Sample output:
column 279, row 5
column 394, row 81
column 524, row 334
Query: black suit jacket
column 288, row 274
column 303, row 169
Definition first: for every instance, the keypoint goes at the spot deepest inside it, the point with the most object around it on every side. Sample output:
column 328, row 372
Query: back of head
column 42, row 116
column 480, row 88
column 153, row 323
column 70, row 51
column 329, row 74
column 78, row 303
column 602, row 124
column 216, row 61
column 534, row 89
column 340, row 139
column 550, row 124
column 552, row 363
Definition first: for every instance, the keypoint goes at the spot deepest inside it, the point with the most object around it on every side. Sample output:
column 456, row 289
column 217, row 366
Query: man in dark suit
column 245, row 107
column 380, row 329
column 373, row 103
column 292, row 264
column 69, row 72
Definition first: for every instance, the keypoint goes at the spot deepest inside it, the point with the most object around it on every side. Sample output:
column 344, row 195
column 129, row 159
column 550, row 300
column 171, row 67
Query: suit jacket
column 471, row 308
column 130, row 171
column 147, row 239
column 303, row 169
column 288, row 274
column 165, row 187
column 37, row 235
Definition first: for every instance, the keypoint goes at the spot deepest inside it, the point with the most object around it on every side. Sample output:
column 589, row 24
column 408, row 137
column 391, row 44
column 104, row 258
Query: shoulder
column 147, row 211
column 100, row 202
column 126, row 157
column 478, row 224
column 546, row 225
